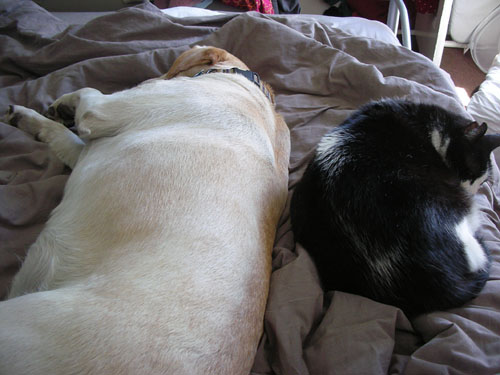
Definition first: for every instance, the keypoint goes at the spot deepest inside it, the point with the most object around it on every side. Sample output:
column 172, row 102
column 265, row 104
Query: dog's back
column 158, row 258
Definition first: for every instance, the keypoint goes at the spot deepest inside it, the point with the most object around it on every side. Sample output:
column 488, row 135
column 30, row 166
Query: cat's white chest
column 474, row 252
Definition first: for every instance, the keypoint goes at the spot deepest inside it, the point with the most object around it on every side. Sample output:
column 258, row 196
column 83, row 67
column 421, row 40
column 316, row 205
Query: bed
column 321, row 70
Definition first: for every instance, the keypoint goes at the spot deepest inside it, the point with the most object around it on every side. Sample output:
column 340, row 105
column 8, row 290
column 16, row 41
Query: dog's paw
column 11, row 117
column 22, row 118
column 63, row 110
column 27, row 120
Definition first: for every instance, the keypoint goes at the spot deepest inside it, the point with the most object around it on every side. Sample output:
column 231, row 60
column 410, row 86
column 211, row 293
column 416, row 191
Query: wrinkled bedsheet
column 320, row 74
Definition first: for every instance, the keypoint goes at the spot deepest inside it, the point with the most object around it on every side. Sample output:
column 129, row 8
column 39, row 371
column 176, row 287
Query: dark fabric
column 288, row 6
column 320, row 75
column 338, row 8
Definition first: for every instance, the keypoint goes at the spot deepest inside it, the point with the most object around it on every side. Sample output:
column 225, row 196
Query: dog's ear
column 196, row 56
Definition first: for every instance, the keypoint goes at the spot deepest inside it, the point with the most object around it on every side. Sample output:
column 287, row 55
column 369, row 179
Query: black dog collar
column 248, row 74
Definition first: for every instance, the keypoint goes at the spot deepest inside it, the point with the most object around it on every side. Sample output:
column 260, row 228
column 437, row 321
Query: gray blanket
column 320, row 74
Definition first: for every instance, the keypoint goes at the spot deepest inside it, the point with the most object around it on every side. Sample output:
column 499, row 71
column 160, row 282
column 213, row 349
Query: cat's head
column 469, row 153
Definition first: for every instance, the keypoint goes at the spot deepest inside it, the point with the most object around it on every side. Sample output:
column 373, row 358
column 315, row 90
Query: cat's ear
column 473, row 132
column 492, row 141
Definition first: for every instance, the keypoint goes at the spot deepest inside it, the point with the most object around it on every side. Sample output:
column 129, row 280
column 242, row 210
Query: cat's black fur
column 378, row 207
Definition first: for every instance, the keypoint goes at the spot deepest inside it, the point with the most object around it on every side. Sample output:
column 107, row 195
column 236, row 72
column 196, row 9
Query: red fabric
column 262, row 6
column 378, row 9
column 373, row 9
column 162, row 4
column 426, row 6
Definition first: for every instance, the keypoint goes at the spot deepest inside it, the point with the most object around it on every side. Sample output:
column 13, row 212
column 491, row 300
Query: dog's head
column 199, row 58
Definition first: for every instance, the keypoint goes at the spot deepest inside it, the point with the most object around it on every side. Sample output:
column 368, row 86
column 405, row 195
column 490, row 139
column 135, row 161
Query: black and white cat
column 386, row 210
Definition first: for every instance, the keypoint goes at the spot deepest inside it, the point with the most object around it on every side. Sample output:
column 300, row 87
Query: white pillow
column 484, row 106
column 466, row 15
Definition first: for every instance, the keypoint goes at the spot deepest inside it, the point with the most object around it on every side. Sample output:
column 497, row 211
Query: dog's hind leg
column 66, row 145
column 42, row 333
column 37, row 271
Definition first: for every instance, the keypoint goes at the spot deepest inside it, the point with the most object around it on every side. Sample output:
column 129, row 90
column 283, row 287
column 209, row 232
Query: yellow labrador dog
column 157, row 260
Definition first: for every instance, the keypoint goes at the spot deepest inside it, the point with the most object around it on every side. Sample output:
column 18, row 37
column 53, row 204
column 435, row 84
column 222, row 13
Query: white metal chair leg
column 393, row 17
column 397, row 8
